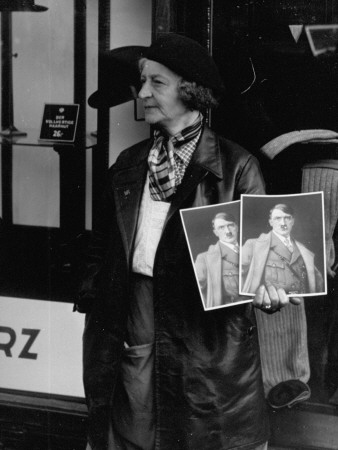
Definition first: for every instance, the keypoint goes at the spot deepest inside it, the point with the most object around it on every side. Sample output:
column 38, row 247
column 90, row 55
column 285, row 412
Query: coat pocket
column 275, row 272
column 132, row 413
column 137, row 376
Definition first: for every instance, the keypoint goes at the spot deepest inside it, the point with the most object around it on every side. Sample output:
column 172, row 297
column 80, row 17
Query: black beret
column 119, row 68
column 119, row 71
column 186, row 58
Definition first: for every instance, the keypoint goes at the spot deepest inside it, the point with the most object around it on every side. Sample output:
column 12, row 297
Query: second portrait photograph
column 212, row 234
column 283, row 244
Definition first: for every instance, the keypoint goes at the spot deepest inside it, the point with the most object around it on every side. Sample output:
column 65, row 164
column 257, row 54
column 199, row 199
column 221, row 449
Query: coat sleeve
column 201, row 270
column 250, row 179
column 319, row 281
column 95, row 255
column 247, row 252
column 246, row 267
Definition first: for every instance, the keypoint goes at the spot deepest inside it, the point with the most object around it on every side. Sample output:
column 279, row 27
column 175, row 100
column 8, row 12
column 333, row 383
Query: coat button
column 250, row 331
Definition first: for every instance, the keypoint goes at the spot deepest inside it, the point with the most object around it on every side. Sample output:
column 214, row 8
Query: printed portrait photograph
column 212, row 234
column 283, row 244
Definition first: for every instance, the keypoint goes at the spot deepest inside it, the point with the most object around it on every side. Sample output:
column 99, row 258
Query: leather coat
column 208, row 387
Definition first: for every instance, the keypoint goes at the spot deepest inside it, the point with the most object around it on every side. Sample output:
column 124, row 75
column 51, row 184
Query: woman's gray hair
column 196, row 97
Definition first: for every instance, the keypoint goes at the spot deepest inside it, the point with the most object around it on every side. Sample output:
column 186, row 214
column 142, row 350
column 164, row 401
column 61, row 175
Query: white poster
column 40, row 347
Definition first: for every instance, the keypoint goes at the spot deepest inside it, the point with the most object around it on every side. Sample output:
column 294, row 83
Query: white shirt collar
column 284, row 239
column 233, row 247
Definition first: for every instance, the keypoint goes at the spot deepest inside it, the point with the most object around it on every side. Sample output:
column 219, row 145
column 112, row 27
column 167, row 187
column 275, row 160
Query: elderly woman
column 160, row 373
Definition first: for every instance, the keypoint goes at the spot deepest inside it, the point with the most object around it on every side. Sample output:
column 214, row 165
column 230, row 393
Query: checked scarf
column 168, row 159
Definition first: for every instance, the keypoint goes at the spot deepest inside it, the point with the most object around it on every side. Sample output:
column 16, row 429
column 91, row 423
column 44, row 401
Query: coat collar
column 207, row 153
column 205, row 159
column 128, row 182
column 131, row 171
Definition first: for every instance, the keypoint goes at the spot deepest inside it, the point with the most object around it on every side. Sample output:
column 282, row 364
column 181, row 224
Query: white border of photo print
column 296, row 264
column 203, row 244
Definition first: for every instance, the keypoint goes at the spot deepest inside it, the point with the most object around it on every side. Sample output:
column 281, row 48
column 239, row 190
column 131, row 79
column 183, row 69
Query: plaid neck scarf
column 168, row 159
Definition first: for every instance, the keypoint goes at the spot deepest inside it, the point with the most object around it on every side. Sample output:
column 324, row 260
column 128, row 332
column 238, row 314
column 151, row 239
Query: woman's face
column 159, row 94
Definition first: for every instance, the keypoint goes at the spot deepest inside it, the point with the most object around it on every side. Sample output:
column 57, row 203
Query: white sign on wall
column 40, row 347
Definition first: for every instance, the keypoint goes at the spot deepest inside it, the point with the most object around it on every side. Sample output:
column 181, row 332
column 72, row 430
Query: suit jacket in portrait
column 218, row 275
column 268, row 259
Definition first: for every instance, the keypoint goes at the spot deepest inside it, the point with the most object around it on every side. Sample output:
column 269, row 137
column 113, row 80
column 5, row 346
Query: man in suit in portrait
column 217, row 269
column 276, row 261
column 276, row 258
